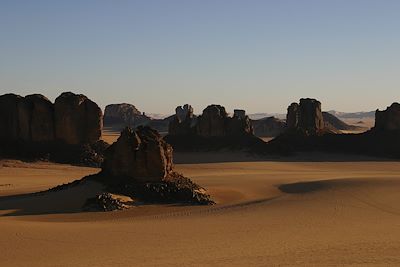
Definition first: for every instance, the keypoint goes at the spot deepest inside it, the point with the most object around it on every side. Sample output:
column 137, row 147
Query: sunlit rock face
column 77, row 119
column 140, row 154
column 305, row 116
column 388, row 119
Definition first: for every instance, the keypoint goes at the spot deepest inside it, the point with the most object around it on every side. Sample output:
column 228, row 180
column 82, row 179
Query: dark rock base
column 91, row 155
column 175, row 189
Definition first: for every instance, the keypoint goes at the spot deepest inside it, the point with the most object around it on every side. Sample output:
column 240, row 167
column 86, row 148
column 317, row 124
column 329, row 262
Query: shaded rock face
column 124, row 114
column 268, row 127
column 41, row 119
column 29, row 118
column 9, row 124
column 239, row 124
column 306, row 116
column 77, row 119
column 141, row 155
column 213, row 122
column 183, row 121
column 389, row 119
column 182, row 113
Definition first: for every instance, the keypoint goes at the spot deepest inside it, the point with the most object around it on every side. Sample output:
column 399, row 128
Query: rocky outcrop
column 214, row 122
column 41, row 119
column 335, row 125
column 389, row 119
column 268, row 127
column 142, row 155
column 34, row 128
column 77, row 119
column 183, row 122
column 9, row 123
column 139, row 165
column 29, row 118
column 305, row 116
column 239, row 124
column 124, row 115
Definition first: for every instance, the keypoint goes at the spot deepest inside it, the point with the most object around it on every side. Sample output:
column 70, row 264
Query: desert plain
column 305, row 210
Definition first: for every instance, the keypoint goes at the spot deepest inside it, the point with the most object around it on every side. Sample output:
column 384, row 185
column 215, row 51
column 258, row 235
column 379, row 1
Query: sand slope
column 340, row 214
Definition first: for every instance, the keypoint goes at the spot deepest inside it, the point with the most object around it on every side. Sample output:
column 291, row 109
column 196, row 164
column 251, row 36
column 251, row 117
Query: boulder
column 78, row 120
column 389, row 119
column 306, row 116
column 141, row 155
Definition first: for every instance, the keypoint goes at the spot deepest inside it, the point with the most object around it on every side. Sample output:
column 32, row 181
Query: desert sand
column 341, row 214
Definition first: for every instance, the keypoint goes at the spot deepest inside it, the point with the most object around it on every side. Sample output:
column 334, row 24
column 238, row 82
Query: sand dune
column 268, row 214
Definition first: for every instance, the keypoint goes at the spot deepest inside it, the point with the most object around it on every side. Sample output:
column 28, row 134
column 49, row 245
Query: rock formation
column 124, row 115
column 336, row 125
column 9, row 124
column 239, row 124
column 183, row 122
column 306, row 116
column 142, row 155
column 29, row 118
column 389, row 119
column 268, row 127
column 213, row 122
column 77, row 119
column 68, row 131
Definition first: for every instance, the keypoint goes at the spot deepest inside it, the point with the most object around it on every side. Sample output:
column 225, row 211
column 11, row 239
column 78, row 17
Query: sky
column 256, row 55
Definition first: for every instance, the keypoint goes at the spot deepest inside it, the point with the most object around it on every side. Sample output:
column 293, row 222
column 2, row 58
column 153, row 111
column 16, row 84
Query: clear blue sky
column 256, row 55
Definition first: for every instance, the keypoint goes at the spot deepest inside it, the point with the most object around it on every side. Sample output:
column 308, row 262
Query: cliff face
column 389, row 119
column 73, row 119
column 305, row 116
column 77, row 119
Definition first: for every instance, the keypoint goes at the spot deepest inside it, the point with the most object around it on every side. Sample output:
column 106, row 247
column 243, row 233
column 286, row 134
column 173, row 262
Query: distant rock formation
column 268, row 127
column 336, row 125
column 77, row 119
column 389, row 119
column 183, row 122
column 305, row 116
column 239, row 124
column 214, row 122
column 141, row 154
column 124, row 115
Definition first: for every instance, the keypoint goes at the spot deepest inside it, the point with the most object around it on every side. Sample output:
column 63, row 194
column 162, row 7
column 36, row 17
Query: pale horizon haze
column 256, row 55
